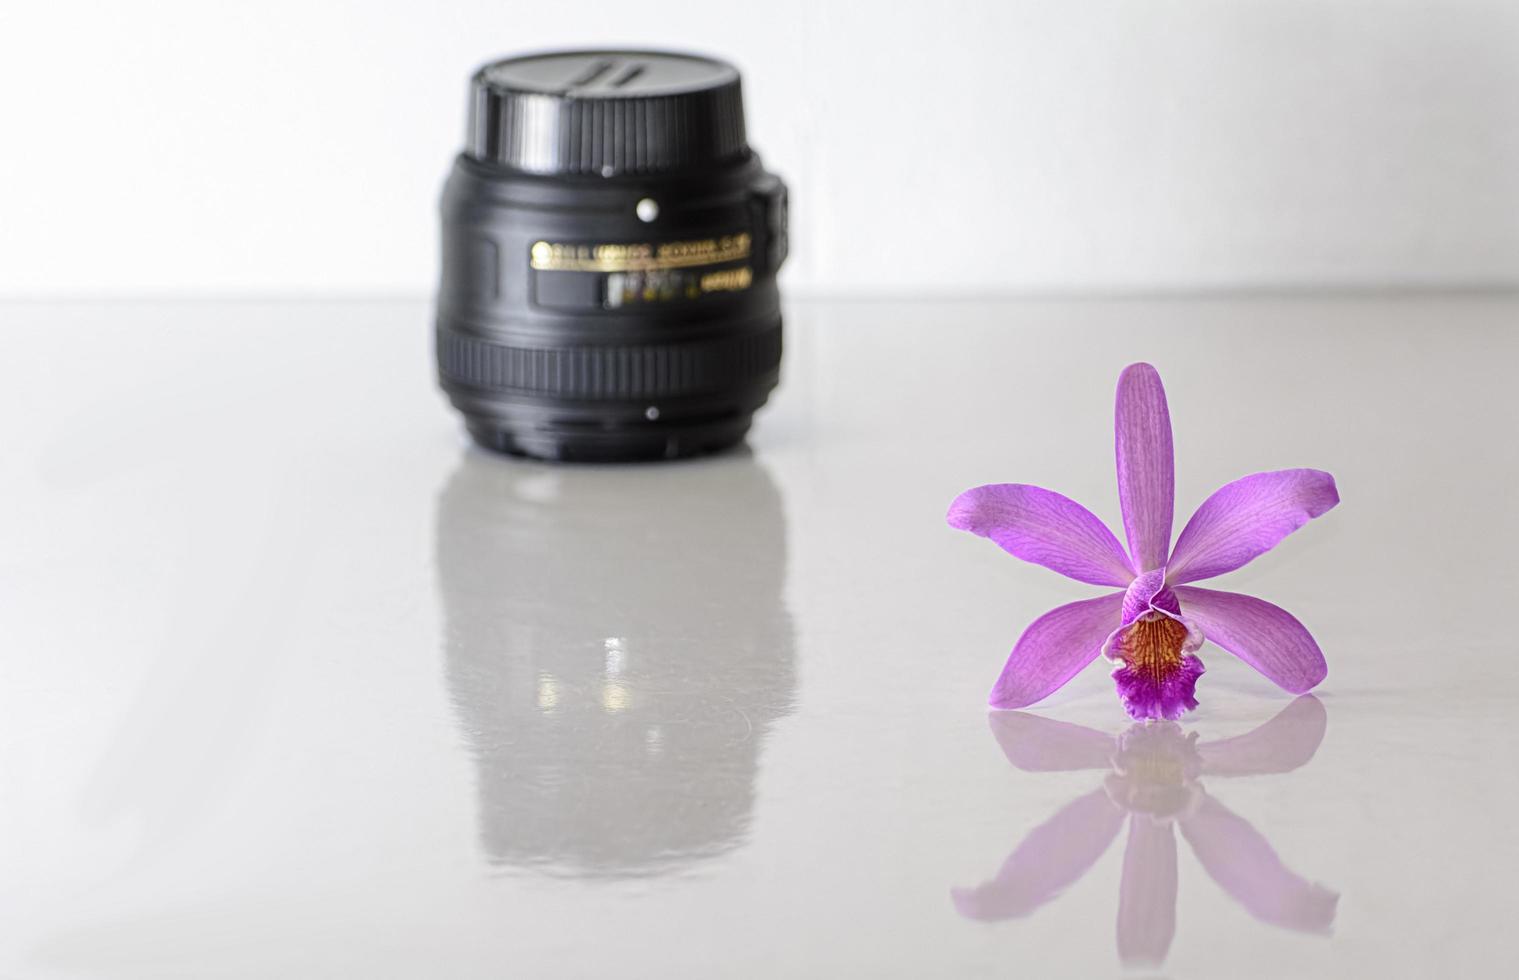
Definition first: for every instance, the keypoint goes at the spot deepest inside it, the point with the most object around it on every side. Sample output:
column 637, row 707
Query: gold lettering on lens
column 728, row 280
column 639, row 256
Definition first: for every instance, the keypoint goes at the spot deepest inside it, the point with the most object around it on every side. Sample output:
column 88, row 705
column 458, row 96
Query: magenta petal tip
column 1144, row 368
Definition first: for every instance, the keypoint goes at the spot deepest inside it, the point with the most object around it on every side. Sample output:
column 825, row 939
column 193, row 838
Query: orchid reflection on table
column 1153, row 778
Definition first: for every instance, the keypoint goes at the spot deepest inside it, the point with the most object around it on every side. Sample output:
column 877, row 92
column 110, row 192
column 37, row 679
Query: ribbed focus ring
column 605, row 373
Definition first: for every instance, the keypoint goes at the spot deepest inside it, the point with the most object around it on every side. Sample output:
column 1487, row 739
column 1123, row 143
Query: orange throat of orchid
column 1151, row 646
column 1158, row 675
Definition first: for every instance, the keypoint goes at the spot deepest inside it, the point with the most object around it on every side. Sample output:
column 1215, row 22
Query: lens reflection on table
column 616, row 647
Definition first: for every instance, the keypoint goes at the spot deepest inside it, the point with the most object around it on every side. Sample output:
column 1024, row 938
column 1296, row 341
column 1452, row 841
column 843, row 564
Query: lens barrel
column 610, row 247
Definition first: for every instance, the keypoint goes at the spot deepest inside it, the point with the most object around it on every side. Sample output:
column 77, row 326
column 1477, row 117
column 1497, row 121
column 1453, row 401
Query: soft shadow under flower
column 1153, row 776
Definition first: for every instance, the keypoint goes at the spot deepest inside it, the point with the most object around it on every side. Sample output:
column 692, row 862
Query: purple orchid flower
column 1153, row 628
column 1153, row 782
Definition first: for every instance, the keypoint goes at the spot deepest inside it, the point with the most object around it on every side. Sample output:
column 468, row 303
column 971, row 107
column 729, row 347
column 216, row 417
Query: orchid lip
column 1147, row 598
column 1156, row 674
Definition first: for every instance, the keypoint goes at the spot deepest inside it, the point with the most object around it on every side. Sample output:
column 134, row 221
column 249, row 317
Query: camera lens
column 610, row 245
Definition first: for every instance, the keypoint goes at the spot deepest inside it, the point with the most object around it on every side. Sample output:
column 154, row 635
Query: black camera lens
column 610, row 245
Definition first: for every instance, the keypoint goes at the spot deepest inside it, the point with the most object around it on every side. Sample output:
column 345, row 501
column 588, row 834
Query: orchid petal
column 1147, row 892
column 1036, row 744
column 1246, row 519
column 1146, row 465
column 1237, row 857
column 1282, row 744
column 1264, row 636
column 1051, row 858
column 1054, row 649
column 1045, row 528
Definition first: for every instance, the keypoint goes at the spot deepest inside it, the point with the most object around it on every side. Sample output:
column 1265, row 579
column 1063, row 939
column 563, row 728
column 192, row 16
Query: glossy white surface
column 292, row 683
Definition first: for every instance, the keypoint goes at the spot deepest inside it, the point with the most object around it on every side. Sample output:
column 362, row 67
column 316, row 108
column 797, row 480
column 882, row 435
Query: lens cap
column 607, row 113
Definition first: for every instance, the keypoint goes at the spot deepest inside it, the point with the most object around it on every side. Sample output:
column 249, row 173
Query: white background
column 288, row 147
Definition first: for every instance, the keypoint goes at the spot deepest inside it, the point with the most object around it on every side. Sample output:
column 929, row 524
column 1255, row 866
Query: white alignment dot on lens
column 647, row 209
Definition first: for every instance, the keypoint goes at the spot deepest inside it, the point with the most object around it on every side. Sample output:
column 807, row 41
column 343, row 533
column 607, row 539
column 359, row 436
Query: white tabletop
column 294, row 683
